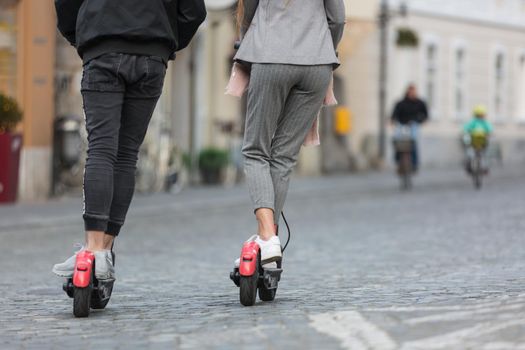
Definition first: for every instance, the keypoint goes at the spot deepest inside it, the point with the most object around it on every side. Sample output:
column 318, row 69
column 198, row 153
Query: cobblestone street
column 368, row 267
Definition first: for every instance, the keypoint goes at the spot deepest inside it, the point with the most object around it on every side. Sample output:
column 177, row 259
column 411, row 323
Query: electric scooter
column 251, row 276
column 85, row 289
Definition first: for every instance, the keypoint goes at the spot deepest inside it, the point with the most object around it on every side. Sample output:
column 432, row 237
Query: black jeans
column 120, row 93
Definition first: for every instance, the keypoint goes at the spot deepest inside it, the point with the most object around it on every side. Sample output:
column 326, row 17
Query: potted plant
column 10, row 146
column 212, row 162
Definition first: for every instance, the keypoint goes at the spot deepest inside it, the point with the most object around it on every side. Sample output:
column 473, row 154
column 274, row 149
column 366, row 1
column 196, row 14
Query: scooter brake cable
column 289, row 232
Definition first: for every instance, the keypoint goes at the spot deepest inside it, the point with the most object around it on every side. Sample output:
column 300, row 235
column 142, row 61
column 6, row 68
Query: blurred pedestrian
column 288, row 47
column 125, row 46
column 411, row 112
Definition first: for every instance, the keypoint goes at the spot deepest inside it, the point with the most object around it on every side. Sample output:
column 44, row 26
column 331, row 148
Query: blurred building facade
column 470, row 52
column 27, row 72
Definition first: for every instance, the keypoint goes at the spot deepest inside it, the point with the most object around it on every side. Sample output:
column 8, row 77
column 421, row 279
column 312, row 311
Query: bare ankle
column 266, row 236
column 108, row 241
column 93, row 248
column 266, row 223
column 95, row 241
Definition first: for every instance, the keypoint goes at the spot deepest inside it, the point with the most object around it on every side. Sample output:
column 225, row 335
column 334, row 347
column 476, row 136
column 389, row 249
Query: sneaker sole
column 61, row 274
column 106, row 280
column 271, row 260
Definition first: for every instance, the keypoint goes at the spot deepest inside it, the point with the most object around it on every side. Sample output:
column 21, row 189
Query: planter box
column 211, row 177
column 10, row 146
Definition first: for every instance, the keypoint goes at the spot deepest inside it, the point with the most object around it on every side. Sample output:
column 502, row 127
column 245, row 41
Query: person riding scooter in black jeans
column 125, row 46
column 411, row 111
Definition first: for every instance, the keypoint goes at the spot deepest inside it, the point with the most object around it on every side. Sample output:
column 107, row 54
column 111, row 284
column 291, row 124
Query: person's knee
column 104, row 156
column 282, row 165
column 255, row 154
column 127, row 157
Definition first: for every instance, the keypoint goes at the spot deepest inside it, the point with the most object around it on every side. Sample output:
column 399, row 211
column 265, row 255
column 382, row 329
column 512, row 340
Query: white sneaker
column 104, row 268
column 66, row 268
column 271, row 251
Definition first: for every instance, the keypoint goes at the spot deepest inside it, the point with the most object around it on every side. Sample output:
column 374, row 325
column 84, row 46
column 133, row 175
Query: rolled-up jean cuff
column 95, row 224
column 263, row 206
column 113, row 228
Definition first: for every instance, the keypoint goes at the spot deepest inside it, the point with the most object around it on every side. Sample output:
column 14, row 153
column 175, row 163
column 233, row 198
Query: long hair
column 240, row 14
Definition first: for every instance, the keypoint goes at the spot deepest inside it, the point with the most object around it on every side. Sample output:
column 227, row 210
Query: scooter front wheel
column 82, row 301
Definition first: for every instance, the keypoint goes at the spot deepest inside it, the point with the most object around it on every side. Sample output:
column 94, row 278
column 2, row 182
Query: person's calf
column 266, row 223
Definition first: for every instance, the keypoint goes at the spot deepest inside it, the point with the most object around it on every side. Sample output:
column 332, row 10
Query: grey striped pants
column 283, row 102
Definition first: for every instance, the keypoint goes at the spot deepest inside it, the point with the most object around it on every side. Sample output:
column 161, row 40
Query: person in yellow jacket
column 476, row 134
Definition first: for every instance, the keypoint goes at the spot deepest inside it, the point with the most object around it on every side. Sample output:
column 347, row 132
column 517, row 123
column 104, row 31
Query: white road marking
column 502, row 346
column 457, row 339
column 355, row 332
column 462, row 315
column 515, row 300
column 352, row 330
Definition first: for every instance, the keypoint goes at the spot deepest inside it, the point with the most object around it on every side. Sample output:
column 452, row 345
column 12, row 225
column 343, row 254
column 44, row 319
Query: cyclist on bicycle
column 476, row 136
column 411, row 111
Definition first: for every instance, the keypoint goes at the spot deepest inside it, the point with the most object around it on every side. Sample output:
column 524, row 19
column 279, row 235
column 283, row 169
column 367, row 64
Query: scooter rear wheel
column 101, row 295
column 100, row 300
column 266, row 294
column 82, row 301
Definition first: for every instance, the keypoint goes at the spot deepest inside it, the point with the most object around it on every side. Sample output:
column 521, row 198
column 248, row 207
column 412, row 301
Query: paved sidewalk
column 368, row 267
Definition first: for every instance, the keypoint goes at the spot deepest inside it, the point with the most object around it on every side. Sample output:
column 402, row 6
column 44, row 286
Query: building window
column 431, row 76
column 8, row 51
column 460, row 83
column 520, row 88
column 499, row 82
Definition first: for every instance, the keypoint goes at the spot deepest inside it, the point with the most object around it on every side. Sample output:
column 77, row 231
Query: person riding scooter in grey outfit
column 125, row 46
column 289, row 48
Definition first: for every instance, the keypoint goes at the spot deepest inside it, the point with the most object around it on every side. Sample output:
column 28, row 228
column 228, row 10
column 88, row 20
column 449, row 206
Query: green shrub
column 406, row 37
column 10, row 113
column 213, row 159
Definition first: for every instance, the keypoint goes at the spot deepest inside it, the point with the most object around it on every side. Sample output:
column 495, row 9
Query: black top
column 410, row 110
column 142, row 27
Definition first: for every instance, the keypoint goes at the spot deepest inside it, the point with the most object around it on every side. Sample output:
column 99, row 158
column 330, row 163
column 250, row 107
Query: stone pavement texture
column 369, row 267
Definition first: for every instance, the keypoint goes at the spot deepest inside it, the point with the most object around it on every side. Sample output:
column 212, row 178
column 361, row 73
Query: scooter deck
column 101, row 290
column 270, row 277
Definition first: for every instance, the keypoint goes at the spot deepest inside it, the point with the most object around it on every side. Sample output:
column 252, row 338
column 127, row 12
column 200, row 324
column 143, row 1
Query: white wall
column 359, row 9
column 449, row 24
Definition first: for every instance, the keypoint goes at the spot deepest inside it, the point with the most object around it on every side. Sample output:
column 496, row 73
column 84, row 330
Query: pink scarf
column 238, row 85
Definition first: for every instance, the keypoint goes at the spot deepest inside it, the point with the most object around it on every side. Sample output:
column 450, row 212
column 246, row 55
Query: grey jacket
column 302, row 32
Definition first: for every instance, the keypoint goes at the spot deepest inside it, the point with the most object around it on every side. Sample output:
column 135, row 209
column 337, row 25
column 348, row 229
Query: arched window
column 520, row 88
column 8, row 51
column 499, row 94
column 460, row 104
column 431, row 75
